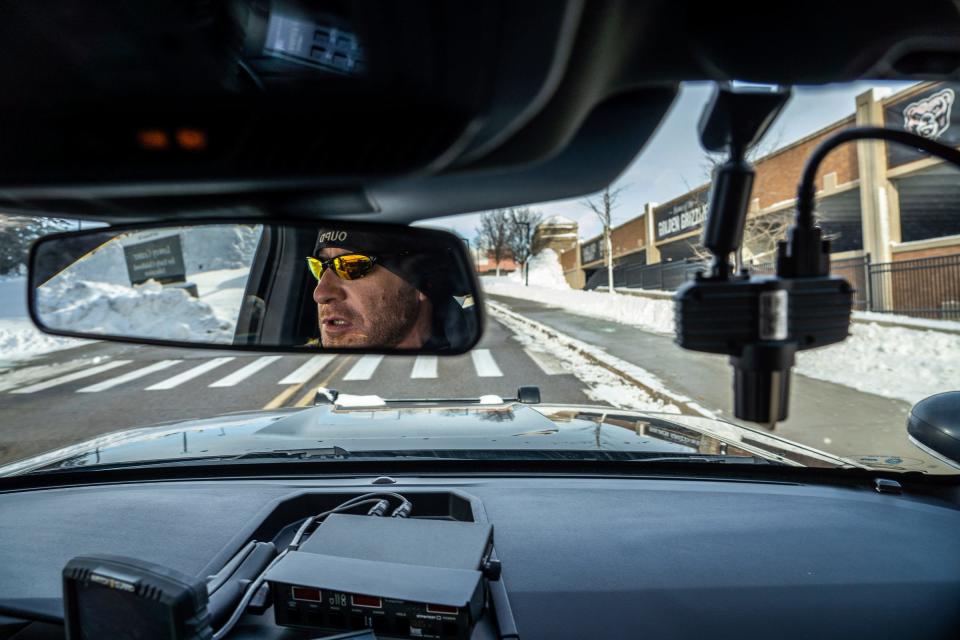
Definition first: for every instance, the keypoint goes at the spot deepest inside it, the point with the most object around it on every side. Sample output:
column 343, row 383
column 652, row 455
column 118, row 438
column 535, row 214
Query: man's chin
column 346, row 340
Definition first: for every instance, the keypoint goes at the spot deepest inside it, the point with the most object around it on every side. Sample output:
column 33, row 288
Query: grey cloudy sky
column 673, row 161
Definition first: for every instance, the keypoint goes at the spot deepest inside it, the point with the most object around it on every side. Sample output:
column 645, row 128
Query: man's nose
column 329, row 288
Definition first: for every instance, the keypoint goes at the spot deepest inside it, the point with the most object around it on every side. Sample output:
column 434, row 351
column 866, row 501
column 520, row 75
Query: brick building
column 880, row 205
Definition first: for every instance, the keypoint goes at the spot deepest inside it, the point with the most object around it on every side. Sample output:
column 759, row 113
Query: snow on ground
column 898, row 362
column 645, row 313
column 906, row 321
column 19, row 339
column 544, row 271
column 95, row 294
column 603, row 385
column 223, row 291
column 149, row 310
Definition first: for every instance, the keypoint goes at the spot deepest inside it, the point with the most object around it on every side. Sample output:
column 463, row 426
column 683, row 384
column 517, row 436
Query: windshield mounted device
column 760, row 322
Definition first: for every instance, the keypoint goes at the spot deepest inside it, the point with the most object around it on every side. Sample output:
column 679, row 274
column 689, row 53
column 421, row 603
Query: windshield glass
column 578, row 304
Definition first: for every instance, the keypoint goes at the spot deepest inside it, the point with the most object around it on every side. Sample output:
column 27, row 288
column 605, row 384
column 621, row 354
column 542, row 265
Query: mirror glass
column 334, row 286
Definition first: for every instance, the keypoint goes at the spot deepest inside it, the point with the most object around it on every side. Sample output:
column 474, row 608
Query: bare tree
column 760, row 237
column 494, row 233
column 523, row 222
column 603, row 205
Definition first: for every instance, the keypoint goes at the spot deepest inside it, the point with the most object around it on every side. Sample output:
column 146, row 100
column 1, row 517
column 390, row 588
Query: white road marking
column 189, row 374
column 70, row 377
column 242, row 374
column 14, row 378
column 547, row 363
column 127, row 377
column 484, row 363
column 424, row 367
column 310, row 368
column 364, row 368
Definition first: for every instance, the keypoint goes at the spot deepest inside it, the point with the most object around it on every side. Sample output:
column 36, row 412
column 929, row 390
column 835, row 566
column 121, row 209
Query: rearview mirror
column 275, row 287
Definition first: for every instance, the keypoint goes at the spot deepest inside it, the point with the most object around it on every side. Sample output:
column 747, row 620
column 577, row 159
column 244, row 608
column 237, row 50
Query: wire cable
column 353, row 503
column 806, row 190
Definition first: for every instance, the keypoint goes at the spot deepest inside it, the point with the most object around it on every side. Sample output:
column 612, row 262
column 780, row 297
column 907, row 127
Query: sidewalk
column 884, row 319
column 828, row 416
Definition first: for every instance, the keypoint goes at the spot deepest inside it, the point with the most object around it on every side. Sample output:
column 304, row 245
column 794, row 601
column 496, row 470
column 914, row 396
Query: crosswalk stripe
column 70, row 377
column 547, row 363
column 364, row 368
column 484, row 363
column 189, row 374
column 424, row 367
column 127, row 377
column 242, row 374
column 312, row 367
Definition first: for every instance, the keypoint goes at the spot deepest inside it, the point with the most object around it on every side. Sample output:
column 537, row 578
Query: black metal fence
column 922, row 288
column 665, row 276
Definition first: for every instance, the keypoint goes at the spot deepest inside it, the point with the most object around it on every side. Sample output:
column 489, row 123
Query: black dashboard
column 582, row 557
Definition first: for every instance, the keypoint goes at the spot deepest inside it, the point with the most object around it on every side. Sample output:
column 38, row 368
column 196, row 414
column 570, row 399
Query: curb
column 682, row 403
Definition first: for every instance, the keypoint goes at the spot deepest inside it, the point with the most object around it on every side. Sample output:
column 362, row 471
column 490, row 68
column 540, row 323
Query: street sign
column 160, row 260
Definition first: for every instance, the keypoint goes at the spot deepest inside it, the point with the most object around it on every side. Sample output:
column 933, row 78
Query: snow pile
column 148, row 311
column 635, row 389
column 895, row 362
column 907, row 321
column 644, row 313
column 19, row 339
column 545, row 271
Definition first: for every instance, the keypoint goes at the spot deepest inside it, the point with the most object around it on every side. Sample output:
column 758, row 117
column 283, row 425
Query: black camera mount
column 762, row 321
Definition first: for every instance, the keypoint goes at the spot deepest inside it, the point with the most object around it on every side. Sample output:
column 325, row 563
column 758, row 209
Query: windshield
column 578, row 302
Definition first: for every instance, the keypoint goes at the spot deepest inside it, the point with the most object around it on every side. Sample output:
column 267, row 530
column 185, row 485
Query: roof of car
column 132, row 112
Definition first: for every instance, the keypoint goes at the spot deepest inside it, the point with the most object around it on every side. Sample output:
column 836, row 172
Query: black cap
column 418, row 261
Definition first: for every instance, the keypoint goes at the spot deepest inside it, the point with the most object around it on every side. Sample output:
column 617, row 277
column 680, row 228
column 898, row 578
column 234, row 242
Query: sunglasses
column 351, row 266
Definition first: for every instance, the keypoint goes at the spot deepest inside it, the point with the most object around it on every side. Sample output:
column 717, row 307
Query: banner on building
column 592, row 251
column 933, row 114
column 680, row 217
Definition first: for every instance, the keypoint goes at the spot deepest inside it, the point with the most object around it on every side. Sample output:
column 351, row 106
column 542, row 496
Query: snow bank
column 545, row 271
column 907, row 321
column 148, row 311
column 648, row 314
column 602, row 385
column 19, row 339
column 896, row 362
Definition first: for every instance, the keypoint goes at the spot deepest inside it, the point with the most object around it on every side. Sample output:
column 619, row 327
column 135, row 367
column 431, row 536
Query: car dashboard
column 582, row 555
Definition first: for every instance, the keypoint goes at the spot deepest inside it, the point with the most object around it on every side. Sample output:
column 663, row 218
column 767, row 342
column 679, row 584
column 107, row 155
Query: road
column 69, row 396
column 75, row 394
column 828, row 416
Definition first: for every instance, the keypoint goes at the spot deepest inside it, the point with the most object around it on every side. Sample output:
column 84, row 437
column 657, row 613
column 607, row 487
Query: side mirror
column 934, row 426
column 327, row 286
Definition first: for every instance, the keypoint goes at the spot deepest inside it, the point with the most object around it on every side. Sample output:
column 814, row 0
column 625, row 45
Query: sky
column 672, row 162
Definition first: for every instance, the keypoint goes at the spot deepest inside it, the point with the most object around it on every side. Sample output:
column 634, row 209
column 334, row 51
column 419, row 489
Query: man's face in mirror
column 380, row 309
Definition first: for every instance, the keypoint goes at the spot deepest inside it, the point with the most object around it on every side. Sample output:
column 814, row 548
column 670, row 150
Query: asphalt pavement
column 75, row 394
column 824, row 415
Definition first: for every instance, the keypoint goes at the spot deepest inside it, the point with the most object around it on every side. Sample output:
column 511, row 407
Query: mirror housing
column 324, row 286
column 934, row 426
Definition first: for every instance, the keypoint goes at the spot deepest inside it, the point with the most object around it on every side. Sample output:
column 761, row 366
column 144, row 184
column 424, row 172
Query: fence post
column 868, row 279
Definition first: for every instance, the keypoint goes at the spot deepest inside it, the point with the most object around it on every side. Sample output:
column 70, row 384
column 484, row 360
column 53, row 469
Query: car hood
column 428, row 429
